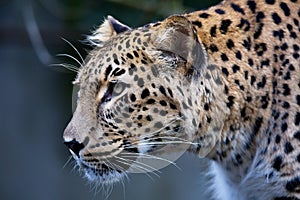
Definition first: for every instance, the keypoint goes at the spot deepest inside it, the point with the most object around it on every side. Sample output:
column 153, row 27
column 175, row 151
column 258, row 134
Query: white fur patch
column 223, row 188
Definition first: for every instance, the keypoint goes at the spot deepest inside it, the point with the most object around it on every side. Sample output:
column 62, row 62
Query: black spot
column 288, row 148
column 220, row 11
column 225, row 71
column 206, row 106
column 257, row 125
column 224, row 25
column 149, row 118
column 116, row 61
column 163, row 102
column 265, row 63
column 265, row 101
column 284, row 46
column 252, row 6
column 250, row 62
column 224, row 57
column 244, row 24
column 252, row 80
column 145, row 108
column 298, row 99
column 297, row 135
column 247, row 43
column 150, row 101
column 284, row 127
column 170, row 92
column 270, row 2
column 197, row 23
column 258, row 31
column 107, row 71
column 132, row 97
column 290, row 27
column 293, row 185
column 238, row 55
column 286, row 105
column 296, row 22
column 144, row 62
column 285, row 116
column 259, row 16
column 136, row 54
column 287, row 76
column 119, row 73
column 286, row 89
column 298, row 158
column 297, row 119
column 237, row 8
column 277, row 163
column 213, row 31
column 279, row 34
column 208, row 120
column 229, row 44
column 276, row 18
column 173, row 106
column 262, row 83
column 260, row 48
column 213, row 48
column 129, row 55
column 243, row 112
column 296, row 55
column 225, row 89
column 246, row 75
column 235, row 68
column 230, row 101
column 277, row 139
column 162, row 90
column 204, row 15
column 285, row 9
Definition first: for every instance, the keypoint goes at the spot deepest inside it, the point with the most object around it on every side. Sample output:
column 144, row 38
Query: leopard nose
column 74, row 146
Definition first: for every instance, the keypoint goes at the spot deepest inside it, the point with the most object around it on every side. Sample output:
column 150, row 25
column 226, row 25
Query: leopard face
column 135, row 98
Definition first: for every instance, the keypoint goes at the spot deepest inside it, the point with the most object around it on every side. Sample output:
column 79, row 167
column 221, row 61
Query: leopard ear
column 177, row 37
column 109, row 28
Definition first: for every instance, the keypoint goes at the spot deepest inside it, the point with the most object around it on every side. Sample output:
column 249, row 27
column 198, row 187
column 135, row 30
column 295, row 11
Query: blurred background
column 36, row 104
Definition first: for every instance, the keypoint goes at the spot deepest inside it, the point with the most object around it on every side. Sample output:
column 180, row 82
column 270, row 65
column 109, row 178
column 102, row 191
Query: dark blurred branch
column 35, row 36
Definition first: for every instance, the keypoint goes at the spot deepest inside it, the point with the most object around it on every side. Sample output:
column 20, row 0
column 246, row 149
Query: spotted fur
column 225, row 79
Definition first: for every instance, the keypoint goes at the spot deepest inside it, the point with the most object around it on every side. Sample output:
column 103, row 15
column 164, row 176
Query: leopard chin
column 102, row 174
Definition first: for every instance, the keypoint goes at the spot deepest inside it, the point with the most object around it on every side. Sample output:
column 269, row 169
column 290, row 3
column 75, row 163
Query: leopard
column 222, row 83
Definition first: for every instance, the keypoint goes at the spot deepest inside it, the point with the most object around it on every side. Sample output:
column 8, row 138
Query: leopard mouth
column 101, row 173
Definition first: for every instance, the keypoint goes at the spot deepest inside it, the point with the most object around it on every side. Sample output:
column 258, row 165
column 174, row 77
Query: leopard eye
column 115, row 88
column 118, row 88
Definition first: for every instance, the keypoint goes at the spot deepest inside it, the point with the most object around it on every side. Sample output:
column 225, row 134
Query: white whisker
column 138, row 168
column 136, row 155
column 167, row 142
column 66, row 66
column 68, row 161
column 74, row 49
column 140, row 163
column 69, row 56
